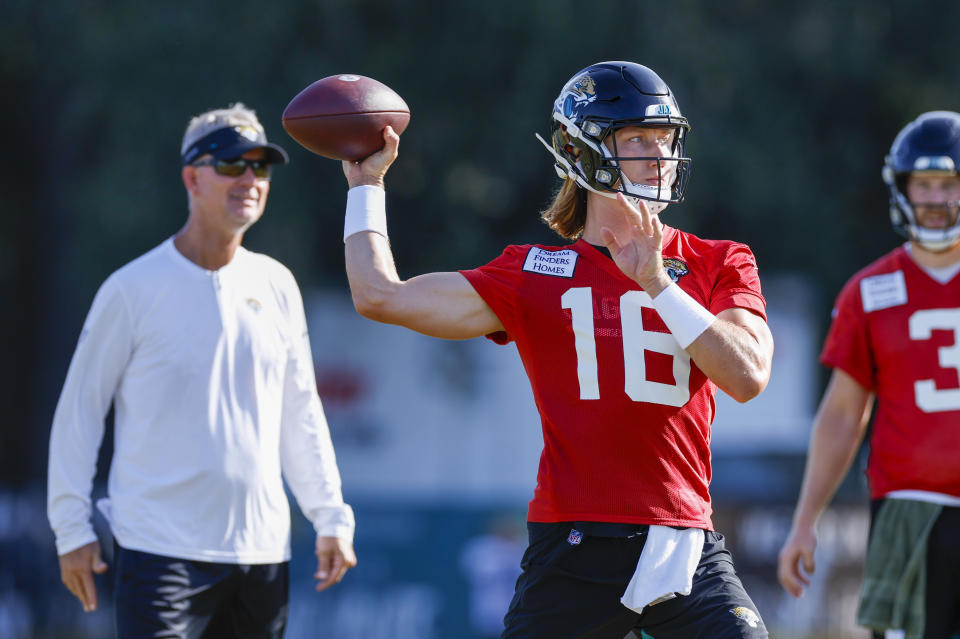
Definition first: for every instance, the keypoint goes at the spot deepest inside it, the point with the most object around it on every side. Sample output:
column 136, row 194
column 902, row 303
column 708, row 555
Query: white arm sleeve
column 306, row 451
column 102, row 354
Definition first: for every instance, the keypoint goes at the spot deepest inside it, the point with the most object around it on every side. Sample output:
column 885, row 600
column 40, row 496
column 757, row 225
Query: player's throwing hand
column 371, row 170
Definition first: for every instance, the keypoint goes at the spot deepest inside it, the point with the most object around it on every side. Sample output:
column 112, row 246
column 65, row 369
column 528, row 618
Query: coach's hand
column 795, row 562
column 76, row 571
column 335, row 557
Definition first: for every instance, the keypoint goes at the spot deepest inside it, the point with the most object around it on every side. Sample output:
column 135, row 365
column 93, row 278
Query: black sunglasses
column 237, row 167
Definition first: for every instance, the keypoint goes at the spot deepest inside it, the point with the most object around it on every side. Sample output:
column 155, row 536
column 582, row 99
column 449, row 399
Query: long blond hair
column 567, row 214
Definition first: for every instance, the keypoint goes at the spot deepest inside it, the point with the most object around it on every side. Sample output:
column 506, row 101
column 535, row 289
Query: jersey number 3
column 635, row 342
column 922, row 323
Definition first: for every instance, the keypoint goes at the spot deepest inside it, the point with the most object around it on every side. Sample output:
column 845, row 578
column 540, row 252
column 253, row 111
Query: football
column 342, row 117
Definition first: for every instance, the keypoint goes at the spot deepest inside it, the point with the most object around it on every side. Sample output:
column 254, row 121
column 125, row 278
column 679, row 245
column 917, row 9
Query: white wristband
column 685, row 318
column 366, row 211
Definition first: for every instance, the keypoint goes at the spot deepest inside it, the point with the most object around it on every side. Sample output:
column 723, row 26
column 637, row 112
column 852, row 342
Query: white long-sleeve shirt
column 213, row 386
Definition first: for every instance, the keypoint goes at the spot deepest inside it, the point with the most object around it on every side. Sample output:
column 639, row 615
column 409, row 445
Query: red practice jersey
column 625, row 412
column 895, row 330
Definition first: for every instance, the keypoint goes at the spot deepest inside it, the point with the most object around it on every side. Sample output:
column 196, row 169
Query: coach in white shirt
column 202, row 347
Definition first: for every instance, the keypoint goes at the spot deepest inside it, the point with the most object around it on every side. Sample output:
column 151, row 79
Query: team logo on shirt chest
column 675, row 268
column 749, row 617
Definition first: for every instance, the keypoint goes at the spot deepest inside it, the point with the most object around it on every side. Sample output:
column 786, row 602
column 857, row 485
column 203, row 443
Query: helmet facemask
column 673, row 171
column 584, row 154
column 903, row 215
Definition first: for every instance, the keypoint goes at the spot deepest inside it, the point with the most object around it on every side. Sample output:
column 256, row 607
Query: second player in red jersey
column 895, row 340
column 897, row 333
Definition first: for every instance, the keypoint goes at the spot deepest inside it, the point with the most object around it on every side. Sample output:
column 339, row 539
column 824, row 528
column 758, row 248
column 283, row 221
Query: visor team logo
column 248, row 132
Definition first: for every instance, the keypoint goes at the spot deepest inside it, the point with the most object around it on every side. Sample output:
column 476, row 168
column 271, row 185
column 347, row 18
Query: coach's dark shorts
column 572, row 590
column 166, row 598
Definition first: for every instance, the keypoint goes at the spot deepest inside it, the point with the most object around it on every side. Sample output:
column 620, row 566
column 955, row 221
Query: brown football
column 343, row 116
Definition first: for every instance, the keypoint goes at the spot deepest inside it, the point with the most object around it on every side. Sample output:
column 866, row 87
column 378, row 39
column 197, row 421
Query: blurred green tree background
column 793, row 106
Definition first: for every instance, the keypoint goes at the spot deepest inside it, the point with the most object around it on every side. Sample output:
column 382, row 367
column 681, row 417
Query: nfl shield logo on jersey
column 575, row 537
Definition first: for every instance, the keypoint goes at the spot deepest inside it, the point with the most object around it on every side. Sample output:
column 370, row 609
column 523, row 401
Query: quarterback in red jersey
column 625, row 335
column 895, row 337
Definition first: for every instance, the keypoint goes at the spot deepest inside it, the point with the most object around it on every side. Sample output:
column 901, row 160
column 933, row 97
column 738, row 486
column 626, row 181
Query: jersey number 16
column 636, row 340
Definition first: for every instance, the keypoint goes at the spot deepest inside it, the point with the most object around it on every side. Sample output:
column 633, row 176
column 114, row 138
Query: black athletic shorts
column 574, row 574
column 167, row 598
column 942, row 611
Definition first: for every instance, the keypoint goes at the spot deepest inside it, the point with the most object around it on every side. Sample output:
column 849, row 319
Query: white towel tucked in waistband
column 665, row 570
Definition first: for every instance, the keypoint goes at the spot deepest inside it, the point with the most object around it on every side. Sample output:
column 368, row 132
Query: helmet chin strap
column 934, row 240
column 655, row 206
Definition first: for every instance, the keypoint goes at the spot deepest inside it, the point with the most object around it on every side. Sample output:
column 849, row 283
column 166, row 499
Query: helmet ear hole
column 589, row 161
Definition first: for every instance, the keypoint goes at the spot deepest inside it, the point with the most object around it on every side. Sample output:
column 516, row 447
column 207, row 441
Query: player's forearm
column 734, row 359
column 372, row 274
column 833, row 446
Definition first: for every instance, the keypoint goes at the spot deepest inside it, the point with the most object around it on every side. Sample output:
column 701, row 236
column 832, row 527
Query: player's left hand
column 335, row 557
column 795, row 563
column 639, row 251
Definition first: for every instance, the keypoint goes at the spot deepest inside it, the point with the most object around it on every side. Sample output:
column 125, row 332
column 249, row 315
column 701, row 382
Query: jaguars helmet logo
column 675, row 268
column 584, row 85
column 749, row 616
column 576, row 95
